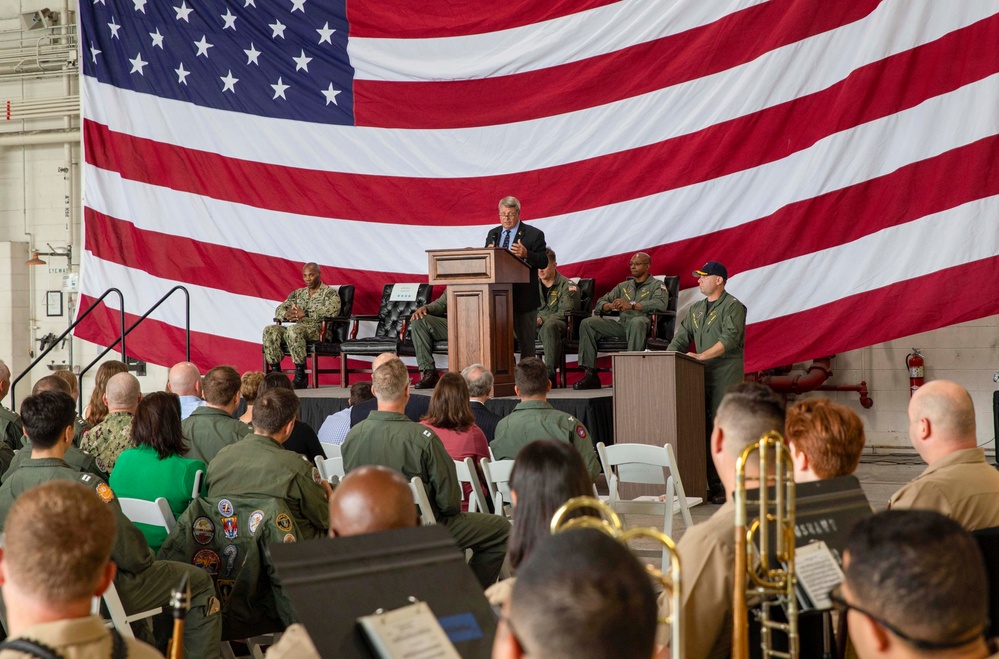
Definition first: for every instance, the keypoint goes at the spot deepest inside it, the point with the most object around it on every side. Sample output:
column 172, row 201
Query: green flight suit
column 209, row 430
column 392, row 440
column 325, row 302
column 142, row 582
column 424, row 331
column 11, row 429
column 562, row 298
column 537, row 419
column 108, row 439
column 80, row 426
column 76, row 458
column 259, row 466
column 726, row 323
column 631, row 324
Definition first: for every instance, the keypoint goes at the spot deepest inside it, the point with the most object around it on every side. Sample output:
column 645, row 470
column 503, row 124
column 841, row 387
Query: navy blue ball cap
column 712, row 268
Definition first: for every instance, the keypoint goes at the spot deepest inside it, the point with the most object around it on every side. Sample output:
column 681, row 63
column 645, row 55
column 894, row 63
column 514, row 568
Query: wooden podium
column 480, row 308
column 659, row 398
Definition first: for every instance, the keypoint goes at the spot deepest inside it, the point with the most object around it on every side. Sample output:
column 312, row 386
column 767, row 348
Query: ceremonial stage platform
column 595, row 407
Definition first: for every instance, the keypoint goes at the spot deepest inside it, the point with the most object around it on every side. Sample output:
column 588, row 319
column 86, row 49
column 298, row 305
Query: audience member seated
column 70, row 378
column 388, row 438
column 78, row 459
column 416, row 407
column 826, row 439
column 534, row 418
column 547, row 473
column 185, row 381
column 248, row 386
column 368, row 500
column 634, row 300
column 428, row 324
column 303, row 439
column 142, row 582
column 580, row 595
column 480, row 385
column 914, row 587
column 335, row 427
column 707, row 550
column 156, row 466
column 56, row 558
column 110, row 437
column 11, row 430
column 258, row 465
column 212, row 427
column 97, row 409
column 958, row 482
column 450, row 417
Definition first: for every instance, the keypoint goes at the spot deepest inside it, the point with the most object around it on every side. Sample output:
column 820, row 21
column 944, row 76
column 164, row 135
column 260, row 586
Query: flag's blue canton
column 275, row 58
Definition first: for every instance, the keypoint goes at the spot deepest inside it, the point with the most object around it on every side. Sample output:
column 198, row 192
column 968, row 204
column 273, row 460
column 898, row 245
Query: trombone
column 771, row 584
column 610, row 523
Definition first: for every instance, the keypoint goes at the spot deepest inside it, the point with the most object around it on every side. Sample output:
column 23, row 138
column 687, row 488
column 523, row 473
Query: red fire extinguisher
column 914, row 362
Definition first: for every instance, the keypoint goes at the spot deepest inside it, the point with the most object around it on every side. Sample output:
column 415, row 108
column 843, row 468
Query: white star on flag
column 251, row 55
column 114, row 29
column 279, row 89
column 250, row 3
column 325, row 33
column 94, row 52
column 330, row 94
column 182, row 12
column 137, row 64
column 203, row 47
column 157, row 38
column 230, row 20
column 278, row 28
column 302, row 62
column 140, row 5
column 181, row 74
column 298, row 5
column 229, row 83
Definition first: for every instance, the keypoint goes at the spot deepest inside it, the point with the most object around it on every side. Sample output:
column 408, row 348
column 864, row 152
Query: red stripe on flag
column 728, row 42
column 916, row 305
column 399, row 19
column 869, row 93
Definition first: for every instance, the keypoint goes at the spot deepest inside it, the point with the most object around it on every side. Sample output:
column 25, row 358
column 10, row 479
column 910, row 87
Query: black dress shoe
column 429, row 380
column 716, row 494
column 589, row 381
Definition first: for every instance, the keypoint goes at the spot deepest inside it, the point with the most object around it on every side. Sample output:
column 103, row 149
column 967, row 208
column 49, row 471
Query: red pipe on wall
column 813, row 379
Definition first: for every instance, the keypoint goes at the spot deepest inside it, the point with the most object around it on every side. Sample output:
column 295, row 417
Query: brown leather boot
column 429, row 380
column 590, row 381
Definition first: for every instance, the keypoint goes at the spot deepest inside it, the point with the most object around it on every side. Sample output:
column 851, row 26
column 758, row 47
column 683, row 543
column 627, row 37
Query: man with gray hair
column 185, row 381
column 389, row 439
column 11, row 429
column 480, row 384
column 110, row 437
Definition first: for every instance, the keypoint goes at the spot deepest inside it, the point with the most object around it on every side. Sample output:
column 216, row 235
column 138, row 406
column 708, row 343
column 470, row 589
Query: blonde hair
column 389, row 381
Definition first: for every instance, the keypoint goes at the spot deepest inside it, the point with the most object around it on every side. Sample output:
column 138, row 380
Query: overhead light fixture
column 34, row 260
column 66, row 252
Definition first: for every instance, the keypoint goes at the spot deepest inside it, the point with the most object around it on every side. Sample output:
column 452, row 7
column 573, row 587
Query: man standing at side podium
column 526, row 243
column 306, row 307
column 717, row 327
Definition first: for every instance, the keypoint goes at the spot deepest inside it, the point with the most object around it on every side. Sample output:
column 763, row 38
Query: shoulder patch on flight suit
column 316, row 477
column 105, row 492
column 581, row 431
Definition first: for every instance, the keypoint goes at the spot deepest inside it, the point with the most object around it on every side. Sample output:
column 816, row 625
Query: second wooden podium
column 480, row 308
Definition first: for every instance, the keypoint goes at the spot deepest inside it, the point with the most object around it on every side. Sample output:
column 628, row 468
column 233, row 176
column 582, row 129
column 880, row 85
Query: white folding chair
column 330, row 469
column 119, row 619
column 422, row 500
column 649, row 465
column 497, row 474
column 199, row 478
column 331, row 450
column 153, row 513
column 467, row 474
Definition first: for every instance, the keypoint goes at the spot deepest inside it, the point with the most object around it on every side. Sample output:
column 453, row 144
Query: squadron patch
column 256, row 517
column 581, row 431
column 225, row 589
column 230, row 552
column 203, row 530
column 229, row 527
column 283, row 522
column 105, row 493
column 100, row 464
column 316, row 477
column 289, row 537
column 225, row 508
column 207, row 560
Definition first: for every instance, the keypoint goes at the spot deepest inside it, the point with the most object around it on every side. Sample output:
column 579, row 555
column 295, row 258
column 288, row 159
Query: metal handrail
column 121, row 321
column 126, row 332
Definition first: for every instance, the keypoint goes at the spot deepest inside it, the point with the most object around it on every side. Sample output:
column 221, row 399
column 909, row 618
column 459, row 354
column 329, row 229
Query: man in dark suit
column 480, row 383
column 526, row 243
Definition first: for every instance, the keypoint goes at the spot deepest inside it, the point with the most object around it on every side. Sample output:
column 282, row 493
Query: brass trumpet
column 768, row 582
column 610, row 523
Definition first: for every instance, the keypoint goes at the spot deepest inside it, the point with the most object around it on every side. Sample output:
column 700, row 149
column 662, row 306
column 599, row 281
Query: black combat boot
column 300, row 381
column 590, row 381
column 429, row 380
column 274, row 368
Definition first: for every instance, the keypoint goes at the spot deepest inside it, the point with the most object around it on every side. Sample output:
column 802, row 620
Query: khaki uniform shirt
column 562, row 298
column 79, row 638
column 536, row 419
column 259, row 466
column 325, row 302
column 707, row 561
column 209, row 430
column 651, row 294
column 108, row 439
column 960, row 485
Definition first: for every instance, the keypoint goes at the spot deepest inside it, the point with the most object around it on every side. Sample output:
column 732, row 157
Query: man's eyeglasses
column 842, row 606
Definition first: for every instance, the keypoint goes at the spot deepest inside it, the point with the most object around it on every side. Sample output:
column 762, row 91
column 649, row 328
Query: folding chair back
column 497, row 474
column 330, row 469
column 116, row 610
column 199, row 480
column 467, row 474
column 153, row 513
column 332, row 450
column 422, row 500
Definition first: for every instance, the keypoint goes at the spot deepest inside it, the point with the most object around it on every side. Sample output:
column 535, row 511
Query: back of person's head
column 274, row 380
column 157, row 424
column 57, row 542
column 97, row 409
column 371, row 499
column 69, row 377
column 360, row 392
column 220, row 385
column 123, row 392
column 46, row 416
column 249, row 384
column 449, row 404
column 51, row 383
column 545, row 475
column 829, row 434
column 581, row 594
column 4, row 372
column 479, row 380
column 184, row 379
column 747, row 412
column 273, row 410
column 919, row 572
column 531, row 377
column 950, row 411
column 389, row 381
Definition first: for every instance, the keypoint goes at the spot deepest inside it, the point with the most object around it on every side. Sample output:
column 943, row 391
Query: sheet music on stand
column 409, row 632
column 818, row 572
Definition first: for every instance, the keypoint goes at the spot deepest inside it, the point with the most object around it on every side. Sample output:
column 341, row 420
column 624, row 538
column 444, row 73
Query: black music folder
column 332, row 582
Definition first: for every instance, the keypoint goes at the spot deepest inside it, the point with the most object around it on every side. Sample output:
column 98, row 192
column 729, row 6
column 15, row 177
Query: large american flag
column 840, row 157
